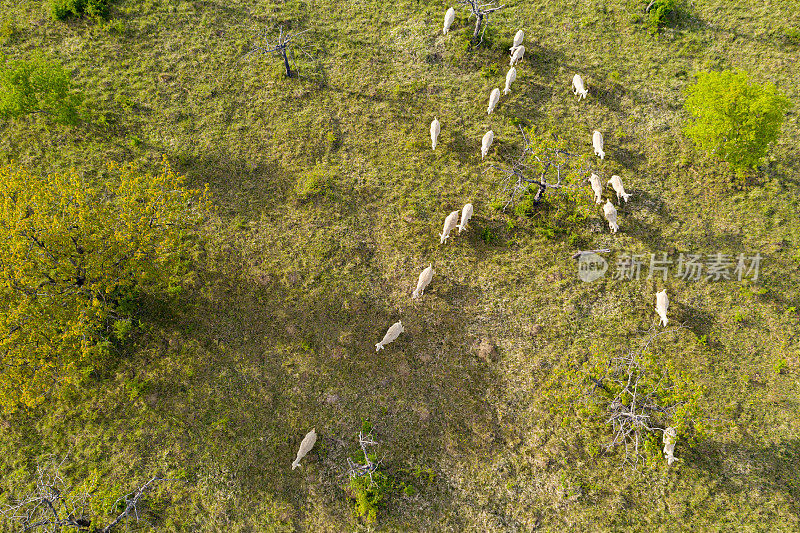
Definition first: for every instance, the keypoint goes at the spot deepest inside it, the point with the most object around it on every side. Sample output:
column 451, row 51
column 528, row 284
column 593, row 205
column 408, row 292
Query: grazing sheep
column 466, row 214
column 449, row 17
column 435, row 129
column 493, row 99
column 486, row 143
column 305, row 447
column 616, row 182
column 516, row 56
column 662, row 303
column 597, row 187
column 510, row 77
column 392, row 333
column 597, row 142
column 611, row 215
column 670, row 438
column 517, row 40
column 449, row 223
column 423, row 281
column 578, row 87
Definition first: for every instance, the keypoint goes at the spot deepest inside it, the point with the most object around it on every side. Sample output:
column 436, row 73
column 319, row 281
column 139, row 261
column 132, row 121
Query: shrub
column 63, row 9
column 312, row 183
column 733, row 118
column 37, row 86
column 490, row 71
column 72, row 255
column 368, row 494
column 660, row 13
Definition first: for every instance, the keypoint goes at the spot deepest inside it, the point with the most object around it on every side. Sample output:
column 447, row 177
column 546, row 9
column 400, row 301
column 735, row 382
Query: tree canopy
column 734, row 118
column 70, row 253
column 37, row 86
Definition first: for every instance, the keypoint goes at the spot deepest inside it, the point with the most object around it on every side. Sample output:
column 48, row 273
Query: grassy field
column 329, row 203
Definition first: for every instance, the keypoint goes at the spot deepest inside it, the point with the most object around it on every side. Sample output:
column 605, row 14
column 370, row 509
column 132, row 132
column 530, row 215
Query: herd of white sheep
column 451, row 222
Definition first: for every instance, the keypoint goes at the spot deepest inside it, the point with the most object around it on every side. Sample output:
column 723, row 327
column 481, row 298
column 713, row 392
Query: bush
column 733, row 118
column 37, row 86
column 368, row 494
column 313, row 183
column 661, row 13
column 63, row 9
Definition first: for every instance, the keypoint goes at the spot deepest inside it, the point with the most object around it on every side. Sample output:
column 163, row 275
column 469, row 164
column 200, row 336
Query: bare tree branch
column 280, row 47
column 480, row 12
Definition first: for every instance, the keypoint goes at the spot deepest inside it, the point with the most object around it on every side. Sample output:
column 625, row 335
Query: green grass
column 303, row 275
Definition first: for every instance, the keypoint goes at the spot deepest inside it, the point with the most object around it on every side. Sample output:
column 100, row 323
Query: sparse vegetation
column 328, row 201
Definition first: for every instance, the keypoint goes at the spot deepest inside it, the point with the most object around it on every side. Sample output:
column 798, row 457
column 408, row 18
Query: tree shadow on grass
column 314, row 348
column 772, row 467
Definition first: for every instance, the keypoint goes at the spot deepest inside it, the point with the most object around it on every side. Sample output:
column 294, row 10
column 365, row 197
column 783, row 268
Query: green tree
column 733, row 118
column 37, row 86
column 70, row 254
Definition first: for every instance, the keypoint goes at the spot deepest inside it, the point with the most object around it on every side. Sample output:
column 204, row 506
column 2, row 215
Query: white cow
column 597, row 142
column 662, row 303
column 616, row 182
column 449, row 223
column 510, row 78
column 517, row 40
column 611, row 215
column 449, row 17
column 670, row 438
column 597, row 187
column 392, row 333
column 578, row 87
column 435, row 129
column 486, row 143
column 466, row 214
column 305, row 447
column 516, row 55
column 424, row 280
column 493, row 99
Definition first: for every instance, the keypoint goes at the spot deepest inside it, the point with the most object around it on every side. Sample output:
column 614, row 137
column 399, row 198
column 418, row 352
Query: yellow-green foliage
column 37, row 86
column 734, row 118
column 582, row 392
column 70, row 252
column 368, row 494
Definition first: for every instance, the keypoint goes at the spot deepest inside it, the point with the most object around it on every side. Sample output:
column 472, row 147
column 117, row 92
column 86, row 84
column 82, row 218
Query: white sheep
column 578, row 88
column 449, row 223
column 449, row 17
column 597, row 187
column 517, row 40
column 435, row 129
column 662, row 303
column 392, row 333
column 486, row 143
column 424, row 280
column 597, row 142
column 466, row 214
column 510, row 78
column 611, row 215
column 516, row 55
column 493, row 99
column 670, row 438
column 616, row 182
column 305, row 447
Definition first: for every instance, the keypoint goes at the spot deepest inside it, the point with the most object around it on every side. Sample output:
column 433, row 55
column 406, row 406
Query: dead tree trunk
column 286, row 63
column 478, row 24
